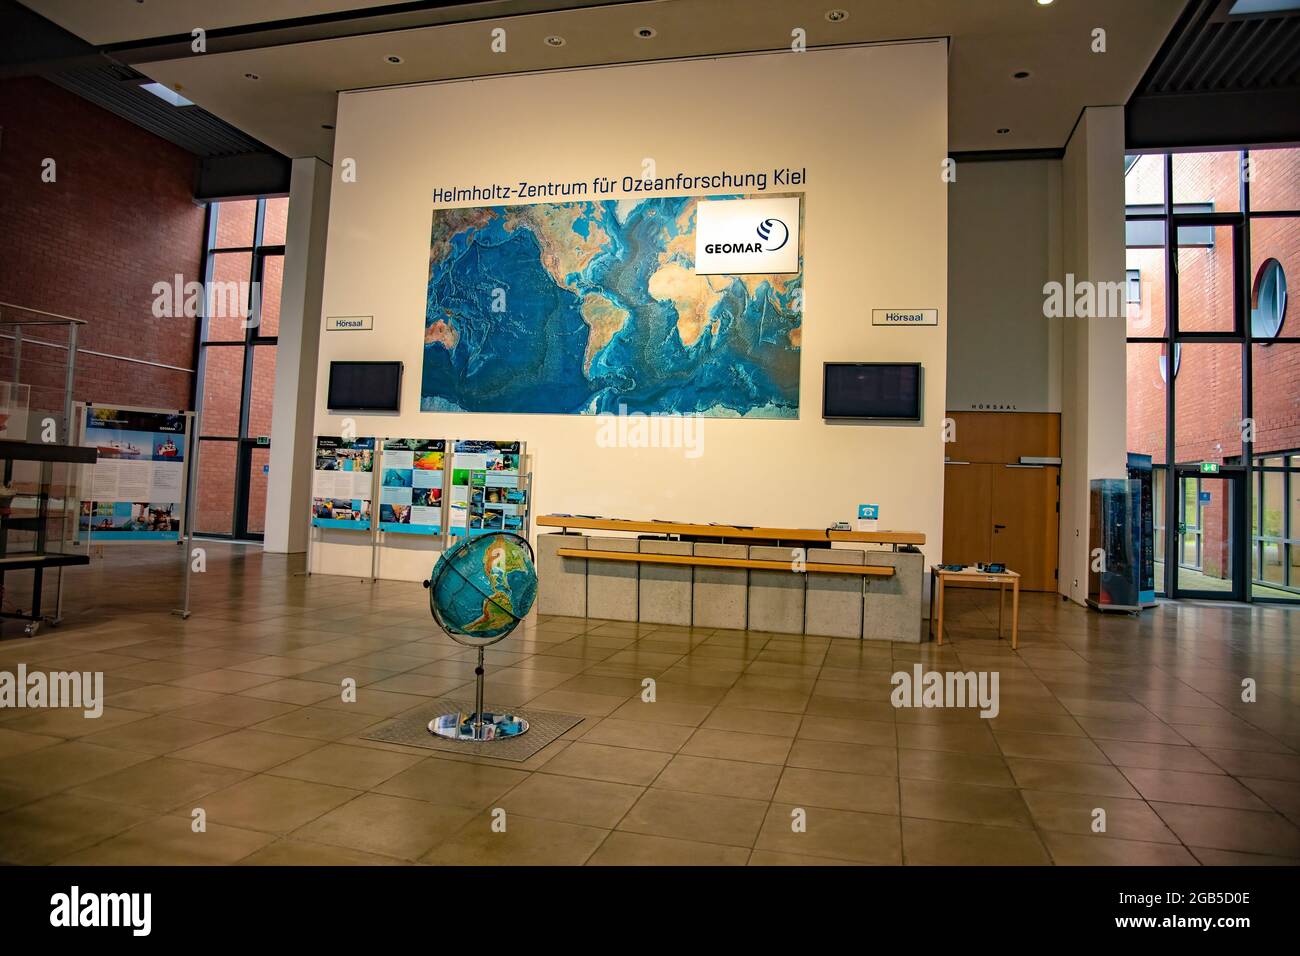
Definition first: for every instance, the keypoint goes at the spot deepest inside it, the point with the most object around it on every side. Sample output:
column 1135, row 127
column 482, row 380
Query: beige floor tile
column 251, row 750
column 527, row 841
column 639, row 849
column 964, row 803
column 849, row 730
column 51, row 769
column 1125, row 753
column 847, row 758
column 1076, row 813
column 164, row 783
column 1282, row 795
column 319, row 723
column 1071, row 850
column 937, row 843
column 1050, row 747
column 599, row 762
column 390, row 826
column 346, row 766
column 13, row 742
column 704, row 818
column 594, row 803
column 291, row 690
column 1222, row 828
column 234, row 711
column 729, row 778
column 1069, row 777
column 956, row 738
column 838, row 791
column 730, row 745
column 42, row 832
column 223, row 681
column 171, row 841
column 1233, row 858
column 834, row 834
column 274, row 804
column 774, row 858
column 160, row 698
column 639, row 735
column 157, row 735
column 1245, row 763
column 985, row 770
column 686, row 715
column 301, row 853
column 453, row 783
column 72, row 723
column 1206, row 789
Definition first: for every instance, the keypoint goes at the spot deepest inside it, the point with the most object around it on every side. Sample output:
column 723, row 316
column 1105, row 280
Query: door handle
column 999, row 527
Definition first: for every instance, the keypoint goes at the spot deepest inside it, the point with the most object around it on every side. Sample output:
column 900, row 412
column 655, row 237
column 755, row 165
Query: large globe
column 483, row 587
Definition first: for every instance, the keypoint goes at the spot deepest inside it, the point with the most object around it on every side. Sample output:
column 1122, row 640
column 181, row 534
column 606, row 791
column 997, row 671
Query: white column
column 288, row 497
column 1093, row 373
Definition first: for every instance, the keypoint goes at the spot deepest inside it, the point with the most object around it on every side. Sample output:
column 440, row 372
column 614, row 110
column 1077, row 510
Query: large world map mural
column 581, row 308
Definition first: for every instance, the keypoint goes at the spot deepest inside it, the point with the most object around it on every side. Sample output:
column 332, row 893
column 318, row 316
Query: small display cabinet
column 38, row 519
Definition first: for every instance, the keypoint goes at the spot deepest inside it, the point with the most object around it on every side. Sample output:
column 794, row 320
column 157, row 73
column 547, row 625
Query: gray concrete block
column 893, row 606
column 721, row 594
column 776, row 598
column 561, row 582
column 834, row 601
column 612, row 585
column 665, row 588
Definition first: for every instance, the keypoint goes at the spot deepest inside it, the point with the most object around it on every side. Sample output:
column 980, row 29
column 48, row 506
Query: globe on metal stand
column 479, row 591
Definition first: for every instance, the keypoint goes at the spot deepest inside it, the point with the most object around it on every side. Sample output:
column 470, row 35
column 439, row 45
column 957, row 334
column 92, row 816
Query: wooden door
column 967, row 514
column 1024, row 523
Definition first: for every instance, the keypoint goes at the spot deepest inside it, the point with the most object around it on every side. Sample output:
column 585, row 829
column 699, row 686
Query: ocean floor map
column 580, row 308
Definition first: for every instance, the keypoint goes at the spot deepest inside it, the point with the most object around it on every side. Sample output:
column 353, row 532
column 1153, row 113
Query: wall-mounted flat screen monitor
column 872, row 391
column 365, row 387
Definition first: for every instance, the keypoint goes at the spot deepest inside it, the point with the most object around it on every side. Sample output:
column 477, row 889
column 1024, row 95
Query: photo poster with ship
column 343, row 483
column 136, row 489
column 488, row 489
column 410, row 485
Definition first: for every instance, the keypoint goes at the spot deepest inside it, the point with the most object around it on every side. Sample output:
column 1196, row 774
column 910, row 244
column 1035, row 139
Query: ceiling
column 304, row 51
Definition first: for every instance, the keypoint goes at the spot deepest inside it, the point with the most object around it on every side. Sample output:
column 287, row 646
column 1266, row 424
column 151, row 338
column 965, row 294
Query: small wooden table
column 939, row 578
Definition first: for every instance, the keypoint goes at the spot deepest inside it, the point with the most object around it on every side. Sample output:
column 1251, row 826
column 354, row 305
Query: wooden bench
column 720, row 532
column 701, row 561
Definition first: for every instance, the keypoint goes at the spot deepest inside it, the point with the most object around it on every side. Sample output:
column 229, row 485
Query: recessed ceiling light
column 837, row 15
column 251, row 76
column 163, row 93
column 645, row 33
column 1020, row 75
column 393, row 58
column 1004, row 130
column 1044, row 3
column 555, row 41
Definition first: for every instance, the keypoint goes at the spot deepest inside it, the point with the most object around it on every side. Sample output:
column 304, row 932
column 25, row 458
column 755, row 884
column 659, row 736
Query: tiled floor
column 759, row 749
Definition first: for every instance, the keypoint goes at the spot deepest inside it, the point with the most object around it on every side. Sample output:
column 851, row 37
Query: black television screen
column 365, row 387
column 880, row 391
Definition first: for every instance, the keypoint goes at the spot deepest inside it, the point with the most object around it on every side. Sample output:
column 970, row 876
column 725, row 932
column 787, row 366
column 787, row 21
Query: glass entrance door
column 1209, row 549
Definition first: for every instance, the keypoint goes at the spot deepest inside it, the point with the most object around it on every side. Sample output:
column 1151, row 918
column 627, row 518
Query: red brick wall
column 118, row 218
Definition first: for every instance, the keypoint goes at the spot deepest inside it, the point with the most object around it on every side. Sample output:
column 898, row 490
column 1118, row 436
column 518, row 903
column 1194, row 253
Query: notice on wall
column 410, row 487
column 488, row 490
column 343, row 483
column 136, row 490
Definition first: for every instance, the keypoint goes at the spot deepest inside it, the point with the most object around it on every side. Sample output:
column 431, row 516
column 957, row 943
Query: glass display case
column 38, row 520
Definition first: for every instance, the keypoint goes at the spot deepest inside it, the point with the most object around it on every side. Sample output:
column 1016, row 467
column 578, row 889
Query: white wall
column 1003, row 245
column 870, row 126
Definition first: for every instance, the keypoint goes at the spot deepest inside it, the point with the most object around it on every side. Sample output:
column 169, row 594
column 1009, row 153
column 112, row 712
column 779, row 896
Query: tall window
column 241, row 320
column 1213, row 241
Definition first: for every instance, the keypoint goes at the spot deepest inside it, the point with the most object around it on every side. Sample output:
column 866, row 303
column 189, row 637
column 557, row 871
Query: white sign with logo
column 747, row 236
column 904, row 316
column 349, row 323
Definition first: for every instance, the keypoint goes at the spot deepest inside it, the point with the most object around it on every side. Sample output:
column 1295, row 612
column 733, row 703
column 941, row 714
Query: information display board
column 488, row 489
column 343, row 483
column 411, row 485
column 136, row 490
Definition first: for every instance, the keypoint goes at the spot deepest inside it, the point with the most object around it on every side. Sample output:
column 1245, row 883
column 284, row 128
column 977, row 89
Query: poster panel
column 488, row 491
column 136, row 490
column 343, row 483
column 410, row 485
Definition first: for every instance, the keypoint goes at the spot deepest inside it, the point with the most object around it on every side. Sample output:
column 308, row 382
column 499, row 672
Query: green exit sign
column 266, row 440
column 1209, row 467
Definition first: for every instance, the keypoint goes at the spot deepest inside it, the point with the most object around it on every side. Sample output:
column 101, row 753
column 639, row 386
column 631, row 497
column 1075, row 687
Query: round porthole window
column 1268, row 300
